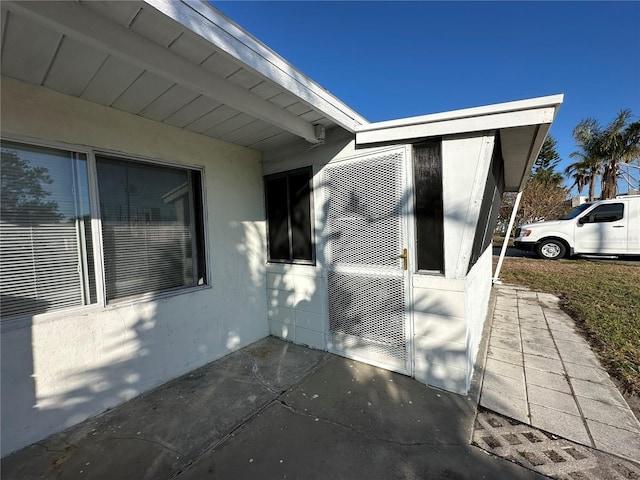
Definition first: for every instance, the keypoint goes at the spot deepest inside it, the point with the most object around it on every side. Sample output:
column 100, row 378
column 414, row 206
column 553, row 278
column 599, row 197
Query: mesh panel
column 365, row 212
column 365, row 278
column 366, row 314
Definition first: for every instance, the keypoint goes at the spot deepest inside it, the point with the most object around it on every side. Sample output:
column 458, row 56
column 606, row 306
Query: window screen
column 288, row 203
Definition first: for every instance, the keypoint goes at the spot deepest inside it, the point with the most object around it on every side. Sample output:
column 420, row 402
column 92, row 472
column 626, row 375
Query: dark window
column 429, row 214
column 288, row 199
column 490, row 207
column 611, row 212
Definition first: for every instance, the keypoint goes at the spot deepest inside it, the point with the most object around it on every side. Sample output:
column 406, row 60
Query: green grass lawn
column 603, row 299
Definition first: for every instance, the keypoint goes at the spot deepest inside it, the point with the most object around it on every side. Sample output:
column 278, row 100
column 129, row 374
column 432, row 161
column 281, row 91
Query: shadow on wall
column 59, row 370
column 367, row 301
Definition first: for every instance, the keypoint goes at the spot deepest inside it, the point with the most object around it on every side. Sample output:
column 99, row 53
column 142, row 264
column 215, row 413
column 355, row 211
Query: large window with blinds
column 148, row 217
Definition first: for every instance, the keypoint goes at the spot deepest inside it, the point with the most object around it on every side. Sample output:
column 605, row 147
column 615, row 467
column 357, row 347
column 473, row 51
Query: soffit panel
column 215, row 117
column 122, row 13
column 231, row 125
column 266, row 90
column 34, row 51
column 275, row 142
column 192, row 111
column 74, row 67
column 298, row 108
column 28, row 50
column 113, row 78
column 192, row 48
column 156, row 27
column 516, row 149
column 219, row 65
column 168, row 103
column 244, row 79
column 259, row 135
column 144, row 90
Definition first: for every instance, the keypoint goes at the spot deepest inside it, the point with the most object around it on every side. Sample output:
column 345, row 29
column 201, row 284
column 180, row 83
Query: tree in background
column 610, row 153
column 545, row 164
column 544, row 197
column 23, row 193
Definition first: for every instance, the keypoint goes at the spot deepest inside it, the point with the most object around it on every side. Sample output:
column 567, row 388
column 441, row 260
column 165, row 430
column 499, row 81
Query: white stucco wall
column 478, row 290
column 439, row 332
column 60, row 368
column 448, row 310
column 465, row 165
column 296, row 299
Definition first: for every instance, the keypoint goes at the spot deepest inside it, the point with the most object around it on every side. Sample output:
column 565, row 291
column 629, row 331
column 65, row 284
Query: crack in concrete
column 156, row 442
column 255, row 370
column 358, row 432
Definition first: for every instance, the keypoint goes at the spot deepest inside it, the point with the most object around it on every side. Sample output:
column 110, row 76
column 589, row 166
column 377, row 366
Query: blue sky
column 389, row 60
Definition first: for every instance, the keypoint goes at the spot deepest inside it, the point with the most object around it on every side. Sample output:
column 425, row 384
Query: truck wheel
column 551, row 249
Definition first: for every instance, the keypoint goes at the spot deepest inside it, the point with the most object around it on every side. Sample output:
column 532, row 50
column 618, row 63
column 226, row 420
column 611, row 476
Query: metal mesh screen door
column 366, row 280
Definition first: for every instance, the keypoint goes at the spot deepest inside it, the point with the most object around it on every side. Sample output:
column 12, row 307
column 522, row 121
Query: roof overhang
column 184, row 50
column 522, row 125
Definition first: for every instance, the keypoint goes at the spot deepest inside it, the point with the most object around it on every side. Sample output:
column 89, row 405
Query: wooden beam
column 77, row 21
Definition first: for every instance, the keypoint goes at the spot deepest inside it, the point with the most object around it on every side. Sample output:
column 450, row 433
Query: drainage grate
column 546, row 453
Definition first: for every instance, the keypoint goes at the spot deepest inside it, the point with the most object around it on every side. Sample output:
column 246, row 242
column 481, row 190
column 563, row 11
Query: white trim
column 521, row 105
column 472, row 218
column 408, row 214
column 454, row 126
column 80, row 23
column 96, row 231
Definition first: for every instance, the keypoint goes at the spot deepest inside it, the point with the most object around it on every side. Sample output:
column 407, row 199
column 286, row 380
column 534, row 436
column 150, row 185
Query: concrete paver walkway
column 541, row 372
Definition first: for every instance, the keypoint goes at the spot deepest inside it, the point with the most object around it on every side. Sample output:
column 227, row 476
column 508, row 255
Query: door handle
column 405, row 257
column 618, row 226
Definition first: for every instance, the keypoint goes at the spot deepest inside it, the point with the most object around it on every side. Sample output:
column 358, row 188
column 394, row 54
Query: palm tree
column 579, row 173
column 618, row 144
column 589, row 159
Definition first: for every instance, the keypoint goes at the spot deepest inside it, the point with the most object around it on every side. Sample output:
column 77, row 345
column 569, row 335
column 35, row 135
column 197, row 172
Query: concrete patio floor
column 541, row 372
column 277, row 410
column 274, row 410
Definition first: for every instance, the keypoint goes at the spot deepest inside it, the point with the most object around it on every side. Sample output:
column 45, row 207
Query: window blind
column 147, row 229
column 43, row 235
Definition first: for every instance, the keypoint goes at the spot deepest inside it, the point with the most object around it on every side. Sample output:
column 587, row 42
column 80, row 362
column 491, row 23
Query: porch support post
column 496, row 275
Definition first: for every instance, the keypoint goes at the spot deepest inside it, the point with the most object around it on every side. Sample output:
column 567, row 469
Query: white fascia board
column 205, row 21
column 77, row 21
column 457, row 125
column 519, row 105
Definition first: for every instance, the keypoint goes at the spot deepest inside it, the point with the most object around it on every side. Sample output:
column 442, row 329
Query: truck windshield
column 576, row 211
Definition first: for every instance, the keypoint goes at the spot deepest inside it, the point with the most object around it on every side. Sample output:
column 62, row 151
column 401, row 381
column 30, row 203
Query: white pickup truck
column 605, row 227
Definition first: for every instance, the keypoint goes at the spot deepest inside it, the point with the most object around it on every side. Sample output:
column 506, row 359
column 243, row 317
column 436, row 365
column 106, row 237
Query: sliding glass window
column 151, row 220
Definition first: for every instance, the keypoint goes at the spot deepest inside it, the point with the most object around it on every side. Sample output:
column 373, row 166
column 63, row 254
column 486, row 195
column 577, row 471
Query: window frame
column 101, row 304
column 592, row 217
column 312, row 234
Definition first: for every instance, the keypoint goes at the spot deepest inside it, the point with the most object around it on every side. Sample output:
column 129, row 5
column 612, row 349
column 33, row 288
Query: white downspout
column 496, row 275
